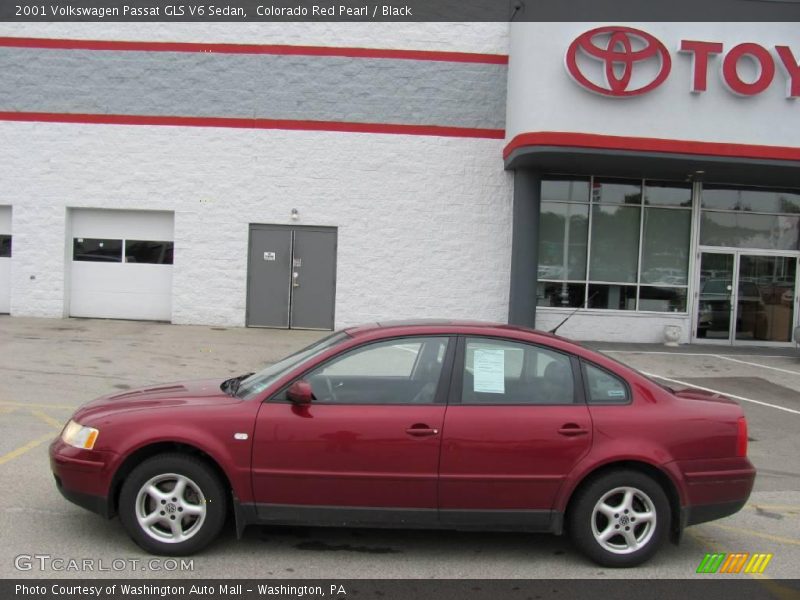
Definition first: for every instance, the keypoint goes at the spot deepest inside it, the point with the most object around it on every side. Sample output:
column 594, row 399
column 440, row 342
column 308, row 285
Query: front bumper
column 83, row 477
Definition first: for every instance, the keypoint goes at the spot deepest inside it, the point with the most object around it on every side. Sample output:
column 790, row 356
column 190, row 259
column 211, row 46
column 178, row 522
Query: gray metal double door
column 291, row 277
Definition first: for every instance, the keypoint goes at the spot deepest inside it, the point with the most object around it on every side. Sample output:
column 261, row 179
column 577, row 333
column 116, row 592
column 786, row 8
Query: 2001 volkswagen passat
column 431, row 424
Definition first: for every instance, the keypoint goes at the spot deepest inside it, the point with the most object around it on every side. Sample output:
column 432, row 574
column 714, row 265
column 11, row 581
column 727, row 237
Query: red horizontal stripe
column 243, row 123
column 640, row 144
column 60, row 44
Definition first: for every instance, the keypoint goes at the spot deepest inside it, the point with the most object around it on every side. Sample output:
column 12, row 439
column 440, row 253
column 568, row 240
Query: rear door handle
column 421, row 431
column 572, row 429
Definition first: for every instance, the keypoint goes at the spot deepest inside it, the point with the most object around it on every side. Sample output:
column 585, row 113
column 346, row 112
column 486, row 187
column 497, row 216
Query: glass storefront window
column 616, row 297
column 610, row 229
column 616, row 191
column 662, row 299
column 665, row 247
column 658, row 193
column 747, row 230
column 561, row 294
column 573, row 189
column 563, row 238
column 750, row 199
column 615, row 243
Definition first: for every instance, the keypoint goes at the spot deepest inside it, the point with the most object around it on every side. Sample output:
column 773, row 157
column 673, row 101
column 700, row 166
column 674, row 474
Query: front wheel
column 172, row 504
column 620, row 519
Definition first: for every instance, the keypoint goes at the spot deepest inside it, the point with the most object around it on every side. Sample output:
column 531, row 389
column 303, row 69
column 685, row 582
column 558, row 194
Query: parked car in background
column 450, row 425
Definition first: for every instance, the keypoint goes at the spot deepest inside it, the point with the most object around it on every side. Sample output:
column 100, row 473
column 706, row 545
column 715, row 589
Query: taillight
column 741, row 439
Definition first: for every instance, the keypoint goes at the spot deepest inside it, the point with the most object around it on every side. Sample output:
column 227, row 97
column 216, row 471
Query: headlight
column 79, row 436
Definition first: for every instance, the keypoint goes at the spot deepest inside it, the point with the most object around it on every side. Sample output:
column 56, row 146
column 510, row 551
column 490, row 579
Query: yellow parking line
column 776, row 589
column 766, row 536
column 4, row 410
column 47, row 419
column 23, row 449
column 29, row 405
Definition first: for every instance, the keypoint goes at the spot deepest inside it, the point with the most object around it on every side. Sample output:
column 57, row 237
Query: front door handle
column 572, row 429
column 420, row 430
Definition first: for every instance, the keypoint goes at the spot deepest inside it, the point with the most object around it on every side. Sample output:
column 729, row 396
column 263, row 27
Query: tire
column 172, row 525
column 605, row 507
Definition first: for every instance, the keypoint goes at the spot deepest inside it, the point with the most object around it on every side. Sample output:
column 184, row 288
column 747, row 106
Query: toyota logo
column 616, row 50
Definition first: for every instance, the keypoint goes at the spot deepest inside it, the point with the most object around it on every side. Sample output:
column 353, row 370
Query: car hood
column 182, row 393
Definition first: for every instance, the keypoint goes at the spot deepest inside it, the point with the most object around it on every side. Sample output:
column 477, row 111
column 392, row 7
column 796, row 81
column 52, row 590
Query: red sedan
column 452, row 425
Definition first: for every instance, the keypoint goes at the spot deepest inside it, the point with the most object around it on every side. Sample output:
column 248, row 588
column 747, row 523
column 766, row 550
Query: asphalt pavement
column 49, row 367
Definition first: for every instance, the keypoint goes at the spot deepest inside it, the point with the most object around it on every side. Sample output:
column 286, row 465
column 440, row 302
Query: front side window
column 399, row 371
column 503, row 372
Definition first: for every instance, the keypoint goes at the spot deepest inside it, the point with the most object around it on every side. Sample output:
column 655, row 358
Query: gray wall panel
column 366, row 90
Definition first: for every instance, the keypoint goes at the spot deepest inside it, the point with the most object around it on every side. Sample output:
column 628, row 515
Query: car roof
column 451, row 326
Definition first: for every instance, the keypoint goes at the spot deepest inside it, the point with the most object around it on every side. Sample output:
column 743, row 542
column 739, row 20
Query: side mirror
column 300, row 392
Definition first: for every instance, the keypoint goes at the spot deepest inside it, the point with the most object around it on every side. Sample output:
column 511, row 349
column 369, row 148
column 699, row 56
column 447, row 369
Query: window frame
column 643, row 207
column 440, row 399
column 587, row 392
column 459, row 364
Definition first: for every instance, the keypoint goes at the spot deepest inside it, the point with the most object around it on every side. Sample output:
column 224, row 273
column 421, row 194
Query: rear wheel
column 620, row 519
column 172, row 504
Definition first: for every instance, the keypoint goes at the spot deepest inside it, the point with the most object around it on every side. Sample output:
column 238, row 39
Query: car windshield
column 260, row 381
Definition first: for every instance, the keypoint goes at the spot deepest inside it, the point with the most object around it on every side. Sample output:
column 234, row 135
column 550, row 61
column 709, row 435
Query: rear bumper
column 715, row 488
column 83, row 477
column 693, row 515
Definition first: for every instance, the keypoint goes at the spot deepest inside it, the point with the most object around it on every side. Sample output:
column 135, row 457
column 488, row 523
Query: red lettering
column 791, row 69
column 731, row 75
column 700, row 52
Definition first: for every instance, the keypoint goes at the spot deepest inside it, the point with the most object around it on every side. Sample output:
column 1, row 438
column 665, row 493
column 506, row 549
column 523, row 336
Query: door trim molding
column 396, row 517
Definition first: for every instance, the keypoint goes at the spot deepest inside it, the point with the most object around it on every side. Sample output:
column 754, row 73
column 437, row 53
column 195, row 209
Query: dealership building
column 645, row 176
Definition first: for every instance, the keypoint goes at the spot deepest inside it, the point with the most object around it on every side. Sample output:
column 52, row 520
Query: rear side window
column 504, row 372
column 603, row 387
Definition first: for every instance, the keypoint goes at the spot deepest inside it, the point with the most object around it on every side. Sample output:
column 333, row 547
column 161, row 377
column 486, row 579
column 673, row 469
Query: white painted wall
column 613, row 326
column 543, row 97
column 5, row 263
column 424, row 222
column 121, row 290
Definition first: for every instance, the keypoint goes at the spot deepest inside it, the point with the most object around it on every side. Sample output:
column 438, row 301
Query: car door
column 515, row 427
column 367, row 447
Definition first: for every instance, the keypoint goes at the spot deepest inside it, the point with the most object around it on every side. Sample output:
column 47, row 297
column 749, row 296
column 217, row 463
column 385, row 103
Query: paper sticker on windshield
column 490, row 370
column 615, row 393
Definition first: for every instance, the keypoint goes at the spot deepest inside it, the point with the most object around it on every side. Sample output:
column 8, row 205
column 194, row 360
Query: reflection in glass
column 766, row 298
column 563, row 231
column 560, row 294
column 743, row 230
column 657, row 193
column 5, row 246
column 616, row 191
column 665, row 248
column 615, row 243
column 751, row 199
column 565, row 190
column 662, row 299
column 716, row 289
column 615, row 297
column 96, row 250
column 150, row 252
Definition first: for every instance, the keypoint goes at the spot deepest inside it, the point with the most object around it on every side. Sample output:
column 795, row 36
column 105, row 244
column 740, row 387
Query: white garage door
column 121, row 265
column 5, row 259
